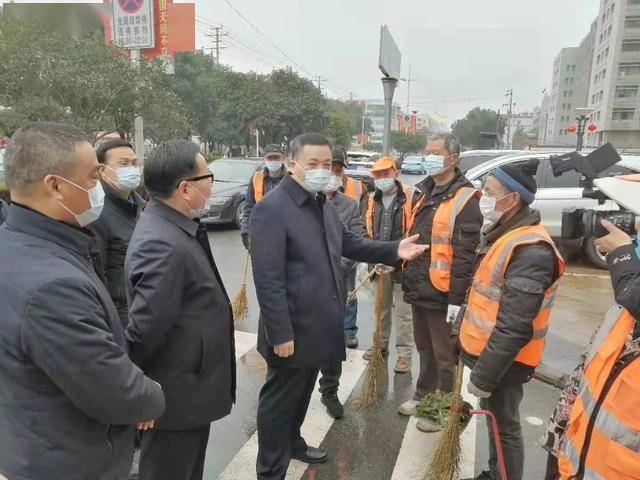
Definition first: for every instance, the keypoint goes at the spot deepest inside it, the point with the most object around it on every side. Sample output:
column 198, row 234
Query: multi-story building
column 374, row 109
column 563, row 97
column 541, row 120
column 521, row 123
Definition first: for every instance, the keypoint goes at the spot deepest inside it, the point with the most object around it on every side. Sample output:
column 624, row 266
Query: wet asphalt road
column 367, row 445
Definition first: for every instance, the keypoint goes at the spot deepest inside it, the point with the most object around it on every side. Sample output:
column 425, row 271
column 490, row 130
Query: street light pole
column 582, row 118
column 389, row 85
column 138, row 122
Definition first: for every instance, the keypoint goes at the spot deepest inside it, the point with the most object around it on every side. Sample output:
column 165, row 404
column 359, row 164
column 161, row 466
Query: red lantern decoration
column 592, row 127
column 571, row 129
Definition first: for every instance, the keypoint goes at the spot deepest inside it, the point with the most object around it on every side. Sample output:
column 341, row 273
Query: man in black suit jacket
column 297, row 249
column 180, row 322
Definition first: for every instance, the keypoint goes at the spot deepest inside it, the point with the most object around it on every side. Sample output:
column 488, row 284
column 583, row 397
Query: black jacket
column 297, row 268
column 531, row 271
column 69, row 394
column 349, row 214
column 180, row 322
column 417, row 286
column 250, row 201
column 113, row 231
column 624, row 266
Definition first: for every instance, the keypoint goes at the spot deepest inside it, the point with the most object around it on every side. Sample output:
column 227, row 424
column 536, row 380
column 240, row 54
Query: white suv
column 556, row 193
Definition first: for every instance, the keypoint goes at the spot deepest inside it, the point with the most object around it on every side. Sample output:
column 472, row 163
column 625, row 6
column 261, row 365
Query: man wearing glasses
column 180, row 322
column 120, row 177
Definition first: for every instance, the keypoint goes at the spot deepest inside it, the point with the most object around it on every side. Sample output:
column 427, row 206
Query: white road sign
column 133, row 23
column 390, row 58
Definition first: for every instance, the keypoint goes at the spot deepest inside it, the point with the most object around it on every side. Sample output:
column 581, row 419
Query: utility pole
column 138, row 121
column 498, row 131
column 319, row 80
column 389, row 85
column 364, row 112
column 216, row 34
column 510, row 112
column 408, row 89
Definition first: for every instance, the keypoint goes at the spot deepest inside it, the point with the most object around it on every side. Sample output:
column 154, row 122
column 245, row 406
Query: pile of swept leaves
column 435, row 408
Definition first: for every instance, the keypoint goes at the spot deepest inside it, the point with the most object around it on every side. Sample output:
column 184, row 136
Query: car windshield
column 232, row 171
column 413, row 160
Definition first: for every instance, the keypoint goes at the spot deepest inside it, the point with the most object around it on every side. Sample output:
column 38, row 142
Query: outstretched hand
column 409, row 249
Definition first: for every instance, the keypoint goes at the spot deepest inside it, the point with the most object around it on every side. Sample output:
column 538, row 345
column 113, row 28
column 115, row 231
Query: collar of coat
column 400, row 195
column 24, row 219
column 524, row 218
column 130, row 205
column 170, row 214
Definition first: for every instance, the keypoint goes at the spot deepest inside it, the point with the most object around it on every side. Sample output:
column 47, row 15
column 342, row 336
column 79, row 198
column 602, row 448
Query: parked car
column 473, row 158
column 556, row 193
column 364, row 176
column 414, row 164
column 231, row 179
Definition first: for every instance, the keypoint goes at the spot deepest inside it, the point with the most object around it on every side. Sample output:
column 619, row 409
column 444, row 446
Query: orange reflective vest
column 258, row 185
column 353, row 189
column 441, row 250
column 406, row 210
column 486, row 290
column 602, row 440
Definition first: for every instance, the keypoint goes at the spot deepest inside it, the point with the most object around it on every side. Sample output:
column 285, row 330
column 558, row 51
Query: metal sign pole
column 389, row 85
column 138, row 121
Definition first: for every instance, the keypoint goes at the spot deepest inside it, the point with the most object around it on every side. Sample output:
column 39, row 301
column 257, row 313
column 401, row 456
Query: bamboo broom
column 352, row 295
column 240, row 307
column 376, row 375
column 445, row 463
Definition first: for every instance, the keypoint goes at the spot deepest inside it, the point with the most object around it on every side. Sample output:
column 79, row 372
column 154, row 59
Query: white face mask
column 436, row 163
column 196, row 212
column 273, row 166
column 335, row 182
column 315, row 180
column 488, row 208
column 385, row 184
column 127, row 178
column 96, row 200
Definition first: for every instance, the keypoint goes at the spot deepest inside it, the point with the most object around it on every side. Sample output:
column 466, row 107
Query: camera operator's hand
column 616, row 238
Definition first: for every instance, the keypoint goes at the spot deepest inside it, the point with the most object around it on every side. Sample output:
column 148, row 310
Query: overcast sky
column 464, row 53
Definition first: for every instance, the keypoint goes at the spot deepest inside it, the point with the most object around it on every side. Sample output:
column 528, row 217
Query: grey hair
column 451, row 142
column 39, row 149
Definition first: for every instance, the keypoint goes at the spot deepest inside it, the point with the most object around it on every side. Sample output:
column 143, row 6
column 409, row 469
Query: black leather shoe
column 351, row 340
column 311, row 455
column 334, row 407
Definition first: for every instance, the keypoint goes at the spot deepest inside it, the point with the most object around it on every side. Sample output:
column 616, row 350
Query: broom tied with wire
column 375, row 380
column 240, row 306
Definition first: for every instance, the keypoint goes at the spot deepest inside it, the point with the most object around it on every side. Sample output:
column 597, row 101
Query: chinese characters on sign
column 133, row 23
column 163, row 28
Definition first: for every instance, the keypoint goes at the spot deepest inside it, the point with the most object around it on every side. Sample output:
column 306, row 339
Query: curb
column 551, row 376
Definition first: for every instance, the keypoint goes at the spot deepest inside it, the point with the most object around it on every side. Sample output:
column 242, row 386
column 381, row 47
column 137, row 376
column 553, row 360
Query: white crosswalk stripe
column 315, row 428
column 417, row 446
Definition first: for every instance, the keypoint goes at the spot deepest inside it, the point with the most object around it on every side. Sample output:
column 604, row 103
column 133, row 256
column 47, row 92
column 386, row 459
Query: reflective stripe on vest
column 406, row 210
column 486, row 291
column 353, row 189
column 614, row 446
column 441, row 250
column 258, row 186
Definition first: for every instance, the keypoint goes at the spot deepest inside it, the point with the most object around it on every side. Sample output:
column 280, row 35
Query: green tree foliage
column 408, row 142
column 477, row 120
column 338, row 129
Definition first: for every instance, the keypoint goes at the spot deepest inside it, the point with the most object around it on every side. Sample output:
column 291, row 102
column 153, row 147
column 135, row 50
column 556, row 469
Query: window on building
column 560, row 132
column 631, row 45
column 627, row 92
column 570, row 93
column 609, row 30
column 604, row 73
column 593, row 99
column 598, row 115
column 626, row 69
column 600, row 38
column 623, row 114
column 632, row 22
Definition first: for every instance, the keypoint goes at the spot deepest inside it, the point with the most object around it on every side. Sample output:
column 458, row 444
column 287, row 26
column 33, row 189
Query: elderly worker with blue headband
column 502, row 330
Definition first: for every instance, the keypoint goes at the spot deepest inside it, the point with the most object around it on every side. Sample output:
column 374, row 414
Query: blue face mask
column 315, row 180
column 272, row 166
column 384, row 184
column 638, row 249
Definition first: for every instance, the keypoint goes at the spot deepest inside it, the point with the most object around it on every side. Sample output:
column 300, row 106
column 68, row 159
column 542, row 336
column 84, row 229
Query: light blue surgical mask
column 638, row 249
column 384, row 184
column 435, row 163
column 273, row 166
column 127, row 178
column 315, row 180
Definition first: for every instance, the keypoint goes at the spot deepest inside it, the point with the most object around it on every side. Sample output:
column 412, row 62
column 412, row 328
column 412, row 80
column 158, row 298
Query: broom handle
column 459, row 372
column 360, row 285
column 246, row 267
column 380, row 292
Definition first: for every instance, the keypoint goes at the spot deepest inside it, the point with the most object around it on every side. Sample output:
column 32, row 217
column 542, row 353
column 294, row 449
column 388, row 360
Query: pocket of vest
column 624, row 465
column 624, row 401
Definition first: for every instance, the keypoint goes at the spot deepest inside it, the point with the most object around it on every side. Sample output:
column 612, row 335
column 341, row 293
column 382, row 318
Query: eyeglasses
column 201, row 177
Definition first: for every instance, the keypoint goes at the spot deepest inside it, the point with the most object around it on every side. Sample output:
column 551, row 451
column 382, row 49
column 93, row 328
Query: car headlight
column 218, row 201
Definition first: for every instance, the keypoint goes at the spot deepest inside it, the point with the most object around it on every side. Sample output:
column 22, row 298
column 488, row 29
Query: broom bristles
column 240, row 307
column 375, row 380
column 445, row 463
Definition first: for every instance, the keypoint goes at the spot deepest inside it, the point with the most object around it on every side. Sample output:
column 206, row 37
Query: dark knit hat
column 519, row 178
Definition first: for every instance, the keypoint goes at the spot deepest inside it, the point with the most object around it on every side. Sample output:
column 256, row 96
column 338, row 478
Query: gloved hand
column 473, row 390
column 245, row 241
column 452, row 313
column 383, row 269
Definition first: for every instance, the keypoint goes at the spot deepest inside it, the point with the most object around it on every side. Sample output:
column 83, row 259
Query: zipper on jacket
column 109, row 442
column 594, row 415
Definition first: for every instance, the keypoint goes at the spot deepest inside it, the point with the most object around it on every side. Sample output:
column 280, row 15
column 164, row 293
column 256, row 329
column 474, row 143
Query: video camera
column 578, row 223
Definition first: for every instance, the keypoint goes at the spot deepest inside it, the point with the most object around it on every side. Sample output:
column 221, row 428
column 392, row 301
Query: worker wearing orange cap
column 387, row 215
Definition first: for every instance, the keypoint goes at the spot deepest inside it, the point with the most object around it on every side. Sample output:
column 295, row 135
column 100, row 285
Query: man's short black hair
column 101, row 151
column 305, row 139
column 169, row 164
